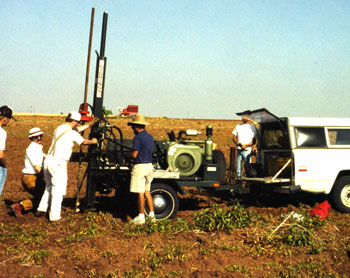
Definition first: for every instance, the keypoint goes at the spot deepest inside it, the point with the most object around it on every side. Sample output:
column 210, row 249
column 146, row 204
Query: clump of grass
column 237, row 268
column 40, row 255
column 24, row 234
column 169, row 252
column 83, row 233
column 161, row 226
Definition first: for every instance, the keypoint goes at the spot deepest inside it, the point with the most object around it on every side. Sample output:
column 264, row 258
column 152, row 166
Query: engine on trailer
column 194, row 159
column 109, row 169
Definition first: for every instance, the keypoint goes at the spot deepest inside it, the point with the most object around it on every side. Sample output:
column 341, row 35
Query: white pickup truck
column 303, row 154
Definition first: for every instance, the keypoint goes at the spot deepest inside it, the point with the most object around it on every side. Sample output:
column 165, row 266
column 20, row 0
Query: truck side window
column 310, row 137
column 339, row 136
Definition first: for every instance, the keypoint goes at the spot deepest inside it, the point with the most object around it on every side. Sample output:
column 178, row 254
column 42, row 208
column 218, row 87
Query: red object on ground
column 321, row 210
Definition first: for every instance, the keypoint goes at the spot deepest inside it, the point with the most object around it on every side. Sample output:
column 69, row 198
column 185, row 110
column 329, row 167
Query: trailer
column 179, row 162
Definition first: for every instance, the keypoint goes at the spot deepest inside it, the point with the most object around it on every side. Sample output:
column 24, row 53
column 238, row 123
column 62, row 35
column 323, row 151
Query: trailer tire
column 165, row 200
column 219, row 160
column 340, row 194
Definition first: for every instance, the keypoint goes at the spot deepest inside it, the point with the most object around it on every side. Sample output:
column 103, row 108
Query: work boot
column 39, row 213
column 17, row 210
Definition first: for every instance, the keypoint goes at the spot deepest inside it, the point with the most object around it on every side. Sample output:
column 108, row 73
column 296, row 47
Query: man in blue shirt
column 142, row 171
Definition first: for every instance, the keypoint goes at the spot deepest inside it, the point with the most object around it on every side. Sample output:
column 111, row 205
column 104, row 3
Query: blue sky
column 177, row 58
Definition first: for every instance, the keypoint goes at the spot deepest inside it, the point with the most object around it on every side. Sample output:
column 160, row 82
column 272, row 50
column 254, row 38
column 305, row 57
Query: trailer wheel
column 165, row 200
column 340, row 194
column 219, row 160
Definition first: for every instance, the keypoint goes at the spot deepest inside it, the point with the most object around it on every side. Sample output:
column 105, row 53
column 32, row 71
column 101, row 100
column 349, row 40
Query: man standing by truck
column 142, row 172
column 244, row 136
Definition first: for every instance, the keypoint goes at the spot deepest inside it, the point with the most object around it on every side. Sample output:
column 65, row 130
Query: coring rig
column 178, row 162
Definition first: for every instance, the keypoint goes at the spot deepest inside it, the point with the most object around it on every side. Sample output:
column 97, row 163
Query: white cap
column 35, row 131
column 74, row 116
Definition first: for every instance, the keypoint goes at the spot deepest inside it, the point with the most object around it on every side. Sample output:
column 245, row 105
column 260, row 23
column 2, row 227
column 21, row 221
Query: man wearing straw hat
column 32, row 174
column 5, row 117
column 55, row 165
column 142, row 172
column 244, row 136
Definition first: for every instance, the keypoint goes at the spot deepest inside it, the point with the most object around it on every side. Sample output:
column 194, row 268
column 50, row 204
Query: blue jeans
column 3, row 173
column 242, row 155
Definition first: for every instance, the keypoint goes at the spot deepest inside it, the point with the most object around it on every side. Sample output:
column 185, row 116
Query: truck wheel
column 165, row 200
column 340, row 194
column 219, row 160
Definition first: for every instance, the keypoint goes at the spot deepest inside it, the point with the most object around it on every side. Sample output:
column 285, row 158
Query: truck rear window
column 310, row 137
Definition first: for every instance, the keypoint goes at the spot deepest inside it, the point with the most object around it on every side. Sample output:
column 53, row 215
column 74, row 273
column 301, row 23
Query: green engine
column 187, row 155
column 186, row 158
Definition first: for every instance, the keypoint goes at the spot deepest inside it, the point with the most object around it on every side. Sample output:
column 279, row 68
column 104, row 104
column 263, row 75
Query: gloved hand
column 94, row 141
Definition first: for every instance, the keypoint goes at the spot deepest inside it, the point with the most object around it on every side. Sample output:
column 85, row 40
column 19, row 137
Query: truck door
column 313, row 160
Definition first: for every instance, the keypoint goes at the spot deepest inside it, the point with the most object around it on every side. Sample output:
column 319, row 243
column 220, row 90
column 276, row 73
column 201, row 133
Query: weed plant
column 303, row 232
column 161, row 226
column 217, row 219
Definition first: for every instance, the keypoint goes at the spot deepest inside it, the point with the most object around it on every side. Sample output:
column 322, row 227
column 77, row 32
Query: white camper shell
column 307, row 154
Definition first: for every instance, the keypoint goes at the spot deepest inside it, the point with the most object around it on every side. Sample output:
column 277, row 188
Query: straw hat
column 35, row 131
column 138, row 120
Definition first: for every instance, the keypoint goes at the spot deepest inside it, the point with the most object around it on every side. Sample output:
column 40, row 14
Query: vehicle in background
column 130, row 110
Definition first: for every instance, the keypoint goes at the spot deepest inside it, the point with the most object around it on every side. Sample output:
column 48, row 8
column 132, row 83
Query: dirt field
column 102, row 243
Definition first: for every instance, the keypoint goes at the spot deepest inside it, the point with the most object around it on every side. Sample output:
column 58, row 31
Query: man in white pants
column 55, row 165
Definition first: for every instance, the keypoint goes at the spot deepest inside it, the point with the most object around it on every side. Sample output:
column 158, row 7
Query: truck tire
column 219, row 160
column 340, row 194
column 165, row 200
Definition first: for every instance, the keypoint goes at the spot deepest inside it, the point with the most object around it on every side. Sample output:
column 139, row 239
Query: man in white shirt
column 32, row 174
column 55, row 165
column 5, row 116
column 244, row 136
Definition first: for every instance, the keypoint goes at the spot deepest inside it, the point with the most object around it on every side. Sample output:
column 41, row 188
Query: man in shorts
column 32, row 173
column 5, row 116
column 142, row 172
